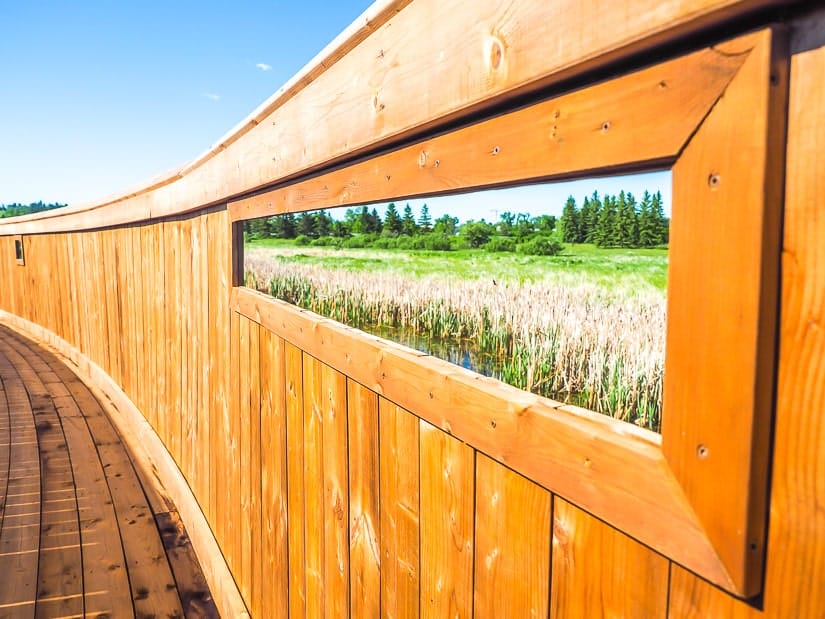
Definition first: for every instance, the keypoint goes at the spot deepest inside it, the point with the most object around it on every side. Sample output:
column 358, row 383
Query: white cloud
column 263, row 66
column 211, row 96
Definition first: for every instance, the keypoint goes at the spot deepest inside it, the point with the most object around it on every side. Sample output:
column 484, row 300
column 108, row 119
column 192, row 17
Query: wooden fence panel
column 371, row 484
column 447, row 488
column 512, row 543
column 590, row 556
column 274, row 555
column 364, row 501
column 399, row 458
column 296, row 511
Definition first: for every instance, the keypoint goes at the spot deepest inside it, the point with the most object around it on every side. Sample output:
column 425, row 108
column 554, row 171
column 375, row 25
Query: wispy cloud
column 211, row 96
column 263, row 66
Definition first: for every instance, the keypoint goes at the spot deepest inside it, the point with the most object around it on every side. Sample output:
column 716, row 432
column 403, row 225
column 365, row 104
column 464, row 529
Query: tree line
column 612, row 221
column 364, row 227
column 616, row 221
column 15, row 208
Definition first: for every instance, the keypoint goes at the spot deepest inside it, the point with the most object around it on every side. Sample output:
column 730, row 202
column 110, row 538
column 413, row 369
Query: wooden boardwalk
column 83, row 530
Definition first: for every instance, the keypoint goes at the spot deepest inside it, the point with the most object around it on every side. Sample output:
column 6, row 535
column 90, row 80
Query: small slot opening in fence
column 18, row 251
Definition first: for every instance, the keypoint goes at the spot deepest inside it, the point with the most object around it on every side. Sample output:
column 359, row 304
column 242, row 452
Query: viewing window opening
column 558, row 289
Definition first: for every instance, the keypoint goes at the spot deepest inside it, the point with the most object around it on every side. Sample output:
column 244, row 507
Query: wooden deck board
column 77, row 530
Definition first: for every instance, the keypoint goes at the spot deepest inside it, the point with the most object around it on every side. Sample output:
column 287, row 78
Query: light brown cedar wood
column 582, row 457
column 722, row 305
column 296, row 508
column 446, row 517
column 244, row 519
column 364, row 512
column 512, row 543
column 231, row 543
column 795, row 569
column 274, row 556
column 597, row 571
column 399, row 474
column 584, row 130
column 333, row 392
column 314, row 407
column 251, row 468
column 327, row 502
column 479, row 55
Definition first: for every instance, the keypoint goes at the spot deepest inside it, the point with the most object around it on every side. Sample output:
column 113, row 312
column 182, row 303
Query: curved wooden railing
column 325, row 471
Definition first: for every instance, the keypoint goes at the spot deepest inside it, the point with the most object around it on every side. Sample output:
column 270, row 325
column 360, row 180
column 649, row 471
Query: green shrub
column 540, row 246
column 501, row 243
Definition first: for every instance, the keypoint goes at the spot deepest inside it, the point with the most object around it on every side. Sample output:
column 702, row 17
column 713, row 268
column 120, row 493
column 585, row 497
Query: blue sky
column 97, row 96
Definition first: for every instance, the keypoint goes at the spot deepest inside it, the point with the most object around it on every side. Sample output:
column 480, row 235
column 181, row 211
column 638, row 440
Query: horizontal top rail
column 366, row 75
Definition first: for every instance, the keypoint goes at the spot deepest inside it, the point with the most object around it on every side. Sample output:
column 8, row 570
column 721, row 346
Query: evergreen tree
column 392, row 221
column 591, row 224
column 648, row 235
column 570, row 229
column 408, row 225
column 425, row 224
column 662, row 223
column 259, row 228
column 586, row 227
column 627, row 231
column 373, row 222
column 323, row 224
column 306, row 224
column 605, row 235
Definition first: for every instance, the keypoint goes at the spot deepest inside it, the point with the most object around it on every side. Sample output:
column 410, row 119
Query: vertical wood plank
column 251, row 467
column 446, row 514
column 399, row 474
column 296, row 509
column 512, row 543
column 364, row 514
column 233, row 521
column 274, row 561
column 244, row 520
column 598, row 571
column 336, row 493
column 325, row 487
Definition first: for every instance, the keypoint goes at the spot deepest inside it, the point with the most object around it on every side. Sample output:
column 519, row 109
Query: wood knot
column 496, row 54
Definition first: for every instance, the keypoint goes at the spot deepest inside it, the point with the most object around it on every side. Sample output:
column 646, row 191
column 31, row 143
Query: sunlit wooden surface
column 82, row 532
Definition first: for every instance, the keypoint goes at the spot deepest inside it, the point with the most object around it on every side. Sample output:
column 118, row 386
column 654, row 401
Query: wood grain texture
column 579, row 455
column 274, row 556
column 512, row 544
column 589, row 556
column 399, row 473
column 447, row 471
column 586, row 130
column 296, row 520
column 480, row 55
column 364, row 502
column 723, row 277
column 795, row 566
column 315, row 540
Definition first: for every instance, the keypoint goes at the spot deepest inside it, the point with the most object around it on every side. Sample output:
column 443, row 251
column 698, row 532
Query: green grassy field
column 630, row 271
column 586, row 326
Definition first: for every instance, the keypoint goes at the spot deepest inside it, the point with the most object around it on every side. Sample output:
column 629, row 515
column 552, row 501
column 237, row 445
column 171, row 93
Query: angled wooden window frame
column 698, row 493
